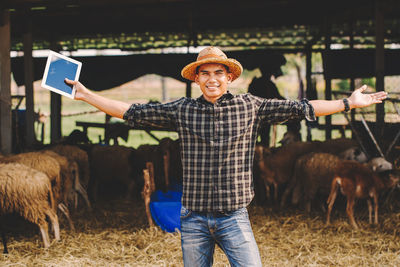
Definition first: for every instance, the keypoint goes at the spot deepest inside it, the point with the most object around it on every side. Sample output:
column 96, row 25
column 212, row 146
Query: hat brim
column 189, row 71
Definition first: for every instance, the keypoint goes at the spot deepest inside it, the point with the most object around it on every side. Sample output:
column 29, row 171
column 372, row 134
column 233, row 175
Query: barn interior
column 355, row 39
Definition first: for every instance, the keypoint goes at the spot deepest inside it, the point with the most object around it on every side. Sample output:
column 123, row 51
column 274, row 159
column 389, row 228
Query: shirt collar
column 226, row 96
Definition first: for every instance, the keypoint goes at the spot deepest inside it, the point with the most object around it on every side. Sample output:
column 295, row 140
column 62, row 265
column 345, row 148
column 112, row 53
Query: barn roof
column 145, row 24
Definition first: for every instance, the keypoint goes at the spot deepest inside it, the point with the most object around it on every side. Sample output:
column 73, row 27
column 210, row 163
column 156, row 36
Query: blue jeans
column 230, row 230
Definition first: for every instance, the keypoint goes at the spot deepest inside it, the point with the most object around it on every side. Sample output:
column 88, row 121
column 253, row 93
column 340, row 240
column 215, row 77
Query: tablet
column 59, row 67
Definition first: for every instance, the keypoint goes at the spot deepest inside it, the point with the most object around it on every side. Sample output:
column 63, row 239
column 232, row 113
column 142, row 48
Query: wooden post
column 309, row 84
column 328, row 83
column 379, row 65
column 150, row 167
column 188, row 89
column 352, row 80
column 166, row 158
column 106, row 130
column 5, row 83
column 29, row 97
column 146, row 193
column 55, row 110
column 164, row 89
column 55, row 117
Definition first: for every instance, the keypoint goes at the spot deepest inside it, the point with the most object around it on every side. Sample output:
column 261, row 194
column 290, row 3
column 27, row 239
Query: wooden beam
column 5, row 83
column 28, row 74
column 379, row 65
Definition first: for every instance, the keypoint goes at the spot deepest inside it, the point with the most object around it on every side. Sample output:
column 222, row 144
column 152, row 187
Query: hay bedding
column 116, row 234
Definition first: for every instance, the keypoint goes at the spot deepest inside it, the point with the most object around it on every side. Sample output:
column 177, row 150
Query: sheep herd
column 301, row 171
column 60, row 178
column 39, row 185
column 36, row 184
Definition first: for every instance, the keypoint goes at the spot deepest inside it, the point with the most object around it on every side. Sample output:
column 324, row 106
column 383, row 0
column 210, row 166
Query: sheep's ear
column 374, row 168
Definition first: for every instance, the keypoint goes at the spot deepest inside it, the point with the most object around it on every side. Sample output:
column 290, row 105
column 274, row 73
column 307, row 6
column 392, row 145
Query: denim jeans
column 230, row 230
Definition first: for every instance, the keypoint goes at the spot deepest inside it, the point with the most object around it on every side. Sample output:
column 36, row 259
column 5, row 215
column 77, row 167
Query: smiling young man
column 217, row 134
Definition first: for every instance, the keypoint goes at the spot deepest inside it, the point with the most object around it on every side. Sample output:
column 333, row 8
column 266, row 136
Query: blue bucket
column 165, row 209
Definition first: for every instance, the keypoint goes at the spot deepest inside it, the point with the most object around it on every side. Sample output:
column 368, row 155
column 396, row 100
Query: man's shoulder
column 249, row 97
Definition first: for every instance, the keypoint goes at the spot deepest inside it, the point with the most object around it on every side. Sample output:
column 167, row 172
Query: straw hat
column 212, row 54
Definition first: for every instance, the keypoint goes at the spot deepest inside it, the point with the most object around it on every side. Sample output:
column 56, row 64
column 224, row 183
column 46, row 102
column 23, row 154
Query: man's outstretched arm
column 113, row 108
column 356, row 100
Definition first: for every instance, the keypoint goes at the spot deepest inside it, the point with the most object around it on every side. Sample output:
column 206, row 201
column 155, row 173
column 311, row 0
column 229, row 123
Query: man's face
column 213, row 80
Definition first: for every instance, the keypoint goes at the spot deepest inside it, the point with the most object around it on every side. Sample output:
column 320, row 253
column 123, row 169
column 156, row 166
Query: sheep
column 379, row 164
column 71, row 181
column 171, row 159
column 356, row 180
column 82, row 159
column 276, row 168
column 343, row 147
column 261, row 171
column 27, row 192
column 336, row 146
column 155, row 154
column 115, row 164
column 313, row 174
column 315, row 171
column 69, row 184
column 290, row 137
column 43, row 163
column 353, row 153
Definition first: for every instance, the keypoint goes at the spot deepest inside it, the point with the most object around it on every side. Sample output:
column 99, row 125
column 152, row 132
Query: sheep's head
column 289, row 137
column 380, row 164
column 354, row 153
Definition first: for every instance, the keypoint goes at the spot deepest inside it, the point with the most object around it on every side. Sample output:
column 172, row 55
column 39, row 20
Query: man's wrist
column 346, row 103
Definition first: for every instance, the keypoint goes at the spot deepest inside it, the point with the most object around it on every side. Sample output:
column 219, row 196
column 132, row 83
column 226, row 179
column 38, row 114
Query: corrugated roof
column 298, row 36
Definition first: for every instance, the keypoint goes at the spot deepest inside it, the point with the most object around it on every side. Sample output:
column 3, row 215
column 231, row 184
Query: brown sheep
column 290, row 137
column 336, row 146
column 171, row 160
column 276, row 168
column 71, row 185
column 155, row 154
column 43, row 163
column 113, row 165
column 28, row 193
column 81, row 157
column 341, row 146
column 314, row 173
column 356, row 180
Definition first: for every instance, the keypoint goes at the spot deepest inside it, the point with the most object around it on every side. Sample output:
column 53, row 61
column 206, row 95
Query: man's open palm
column 358, row 99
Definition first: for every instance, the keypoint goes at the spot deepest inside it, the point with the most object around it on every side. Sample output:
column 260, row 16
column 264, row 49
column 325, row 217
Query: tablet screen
column 59, row 67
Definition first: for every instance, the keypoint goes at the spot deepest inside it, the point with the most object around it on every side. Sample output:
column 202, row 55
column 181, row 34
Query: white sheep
column 354, row 153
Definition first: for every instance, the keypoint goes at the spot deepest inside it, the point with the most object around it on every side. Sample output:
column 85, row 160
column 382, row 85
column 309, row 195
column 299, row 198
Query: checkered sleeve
column 153, row 115
column 278, row 111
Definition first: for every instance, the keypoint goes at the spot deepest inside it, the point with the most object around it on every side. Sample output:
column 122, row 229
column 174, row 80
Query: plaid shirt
column 217, row 143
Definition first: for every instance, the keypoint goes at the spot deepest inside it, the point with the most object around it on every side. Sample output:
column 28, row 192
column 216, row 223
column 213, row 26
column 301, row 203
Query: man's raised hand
column 358, row 99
